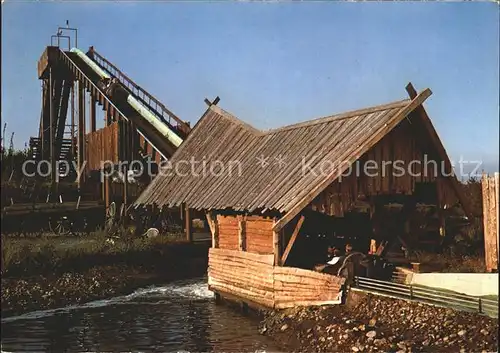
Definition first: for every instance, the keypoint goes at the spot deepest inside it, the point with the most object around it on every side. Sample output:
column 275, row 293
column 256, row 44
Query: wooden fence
column 102, row 145
column 490, row 218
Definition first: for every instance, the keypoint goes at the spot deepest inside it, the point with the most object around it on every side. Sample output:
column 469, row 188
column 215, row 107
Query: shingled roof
column 267, row 170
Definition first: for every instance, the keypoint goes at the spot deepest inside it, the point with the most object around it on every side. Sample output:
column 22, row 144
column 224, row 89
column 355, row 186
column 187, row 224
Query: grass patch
column 53, row 254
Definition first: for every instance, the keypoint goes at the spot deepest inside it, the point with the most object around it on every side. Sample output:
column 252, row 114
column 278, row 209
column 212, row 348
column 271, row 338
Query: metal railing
column 89, row 83
column 428, row 295
column 154, row 104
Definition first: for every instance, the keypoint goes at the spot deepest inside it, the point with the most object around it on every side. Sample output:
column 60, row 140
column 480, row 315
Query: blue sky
column 274, row 64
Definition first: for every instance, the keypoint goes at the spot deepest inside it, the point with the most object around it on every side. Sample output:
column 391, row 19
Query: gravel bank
column 370, row 323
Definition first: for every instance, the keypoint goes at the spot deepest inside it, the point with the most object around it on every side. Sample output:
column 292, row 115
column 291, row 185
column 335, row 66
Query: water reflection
column 179, row 316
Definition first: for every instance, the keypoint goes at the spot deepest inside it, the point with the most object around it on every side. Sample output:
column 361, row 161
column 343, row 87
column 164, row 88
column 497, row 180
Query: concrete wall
column 476, row 284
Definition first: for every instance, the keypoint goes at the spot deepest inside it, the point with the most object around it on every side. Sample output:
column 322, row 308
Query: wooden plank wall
column 102, row 145
column 490, row 185
column 249, row 233
column 259, row 235
column 254, row 278
column 399, row 145
column 228, row 232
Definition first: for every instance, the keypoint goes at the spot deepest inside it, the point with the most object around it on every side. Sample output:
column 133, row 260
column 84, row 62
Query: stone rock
column 484, row 332
column 284, row 327
column 446, row 338
column 380, row 342
column 426, row 342
column 355, row 349
column 372, row 322
column 461, row 333
column 371, row 334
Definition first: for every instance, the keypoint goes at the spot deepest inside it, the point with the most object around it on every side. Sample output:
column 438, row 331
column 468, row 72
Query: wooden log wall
column 402, row 144
column 254, row 278
column 248, row 233
column 242, row 274
column 102, row 145
column 490, row 185
column 296, row 286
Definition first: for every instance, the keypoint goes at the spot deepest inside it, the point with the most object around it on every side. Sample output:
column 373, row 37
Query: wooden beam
column 242, row 243
column 93, row 126
column 376, row 137
column 214, row 102
column 210, row 223
column 497, row 206
column 81, row 129
column 276, row 245
column 436, row 141
column 189, row 233
column 292, row 240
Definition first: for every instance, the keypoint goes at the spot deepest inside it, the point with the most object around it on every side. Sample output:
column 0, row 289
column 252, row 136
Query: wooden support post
column 242, row 243
column 214, row 229
column 109, row 117
column 276, row 245
column 52, row 134
column 81, row 129
column 292, row 239
column 210, row 222
column 92, row 113
column 189, row 233
column 496, row 182
column 125, row 191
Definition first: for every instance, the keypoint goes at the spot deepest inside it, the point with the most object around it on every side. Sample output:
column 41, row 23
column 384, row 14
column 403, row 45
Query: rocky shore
column 370, row 323
column 44, row 292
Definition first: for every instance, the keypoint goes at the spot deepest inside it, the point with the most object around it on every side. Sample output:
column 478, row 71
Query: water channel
column 178, row 316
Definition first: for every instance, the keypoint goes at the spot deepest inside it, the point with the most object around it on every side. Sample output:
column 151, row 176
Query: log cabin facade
column 289, row 189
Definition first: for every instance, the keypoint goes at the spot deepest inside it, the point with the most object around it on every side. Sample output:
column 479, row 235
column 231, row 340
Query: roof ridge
column 340, row 116
column 321, row 120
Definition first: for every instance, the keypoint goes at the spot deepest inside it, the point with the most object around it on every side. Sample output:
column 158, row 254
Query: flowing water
column 179, row 316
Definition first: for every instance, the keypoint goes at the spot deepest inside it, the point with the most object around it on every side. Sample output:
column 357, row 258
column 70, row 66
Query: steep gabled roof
column 294, row 154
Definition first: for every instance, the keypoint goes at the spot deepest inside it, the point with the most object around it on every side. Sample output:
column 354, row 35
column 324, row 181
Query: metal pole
column 70, row 29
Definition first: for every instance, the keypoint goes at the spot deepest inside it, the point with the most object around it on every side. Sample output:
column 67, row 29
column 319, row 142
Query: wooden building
column 275, row 199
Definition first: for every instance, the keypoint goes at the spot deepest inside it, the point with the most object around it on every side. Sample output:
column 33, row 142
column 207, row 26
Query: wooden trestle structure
column 71, row 93
column 268, row 214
